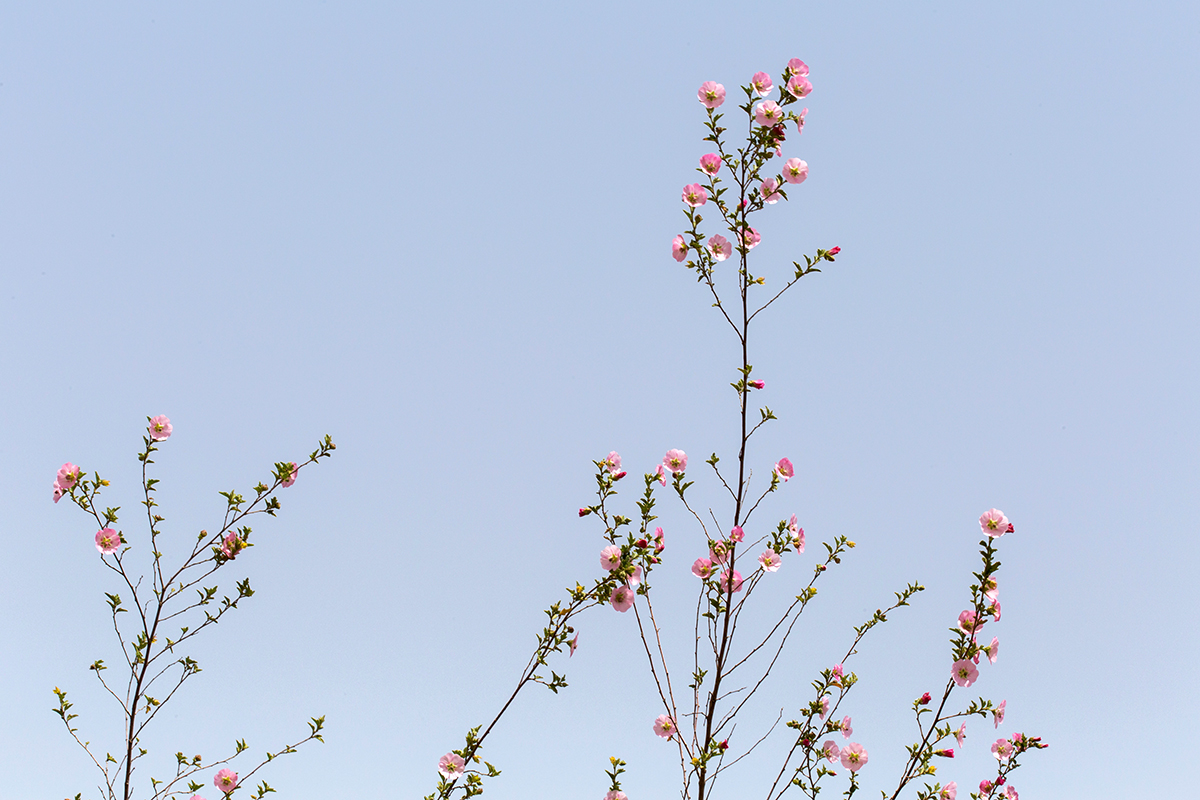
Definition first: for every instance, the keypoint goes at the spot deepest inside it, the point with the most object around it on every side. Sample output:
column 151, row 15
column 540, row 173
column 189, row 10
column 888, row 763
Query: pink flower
column 964, row 673
column 621, row 598
column 635, row 580
column 610, row 557
column 832, row 751
column 994, row 610
column 662, row 475
column 574, row 643
column 748, row 238
column 58, row 492
column 226, row 780
column 823, row 712
column 991, row 588
column 768, row 113
column 611, row 462
column 770, row 561
column 675, row 460
column 719, row 552
column 664, row 726
column 992, row 651
column 678, row 249
column 960, row 735
column 711, row 94
column 770, row 191
column 985, row 788
column 797, row 67
column 998, row 714
column 994, row 523
column 798, row 86
column 736, row 535
column 196, row 797
column 854, row 757
column 702, row 568
column 846, row 729
column 1011, row 793
column 720, row 247
column 761, row 83
column 710, row 163
column 797, row 534
column 757, row 384
column 795, row 170
column 948, row 792
column 784, row 469
column 724, row 581
column 968, row 622
column 68, row 476
column 660, row 540
column 291, row 478
column 616, row 795
column 160, row 428
column 837, row 673
column 232, row 545
column 694, row 195
column 800, row 121
column 107, row 541
column 1002, row 749
column 451, row 766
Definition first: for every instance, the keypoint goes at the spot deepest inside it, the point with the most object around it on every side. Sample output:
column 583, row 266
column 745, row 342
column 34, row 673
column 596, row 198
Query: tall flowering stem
column 165, row 619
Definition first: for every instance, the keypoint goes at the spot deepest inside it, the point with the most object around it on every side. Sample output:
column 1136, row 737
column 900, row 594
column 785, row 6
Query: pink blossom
column 719, row 247
column 662, row 475
column 612, row 462
column 1011, row 793
column 711, row 94
column 695, row 195
column 724, row 581
column 960, row 735
column 196, row 797
column 837, row 673
column 68, row 476
column 226, row 780
column 768, row 113
column 757, row 384
column 160, row 428
column 969, row 622
column 800, row 121
column 985, row 788
column 832, row 751
column 770, row 561
column 994, row 610
column 748, row 238
column 784, row 469
column 232, row 545
column 291, row 478
column 107, row 541
column 635, row 580
column 702, row 568
column 616, row 795
column 1002, row 749
column 718, row 552
column 770, row 191
column 998, row 713
column 610, row 557
column 795, row 170
column 948, row 792
column 799, row 87
column 797, row 534
column 737, row 534
column 824, row 711
column 993, row 650
column 991, row 588
column 58, row 492
column 675, row 460
column 965, row 673
column 574, row 643
column 679, row 250
column 854, row 757
column 797, row 67
column 621, row 598
column 660, row 538
column 710, row 163
column 846, row 729
column 994, row 523
column 664, row 727
column 451, row 766
column 761, row 83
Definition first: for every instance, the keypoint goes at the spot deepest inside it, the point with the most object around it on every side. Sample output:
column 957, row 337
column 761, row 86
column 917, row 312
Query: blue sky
column 441, row 234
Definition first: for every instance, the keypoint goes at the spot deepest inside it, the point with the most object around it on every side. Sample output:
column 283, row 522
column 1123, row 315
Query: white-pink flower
column 824, row 711
column 160, row 428
column 761, row 83
column 800, row 121
column 991, row 587
column 770, row 191
column 854, row 757
column 797, row 67
column 675, row 460
column 724, row 581
column 232, row 545
column 832, row 751
column 1010, row 793
column 719, row 247
column 748, row 238
column 969, row 622
column 718, row 551
column 68, row 476
column 1002, row 749
column 784, row 469
column 965, row 673
column 994, row 610
column 949, row 791
column 616, row 794
column 846, row 729
column 107, row 541
column 702, row 568
column 998, row 713
column 797, row 534
column 291, row 478
column 661, row 474
column 795, row 170
column 710, row 163
column 768, row 113
column 798, row 86
column 960, row 735
column 226, row 780
column 451, row 765
column 622, row 598
column 610, row 557
column 664, row 727
column 695, row 195
column 679, row 249
column 611, row 462
column 770, row 561
column 992, row 651
column 994, row 523
column 635, row 580
column 711, row 94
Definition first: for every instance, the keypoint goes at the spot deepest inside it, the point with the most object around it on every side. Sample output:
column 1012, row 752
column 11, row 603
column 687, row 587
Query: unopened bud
column 583, row 512
column 925, row 698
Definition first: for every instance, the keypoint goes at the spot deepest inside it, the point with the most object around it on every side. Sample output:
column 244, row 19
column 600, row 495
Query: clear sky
column 440, row 233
